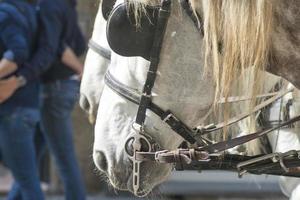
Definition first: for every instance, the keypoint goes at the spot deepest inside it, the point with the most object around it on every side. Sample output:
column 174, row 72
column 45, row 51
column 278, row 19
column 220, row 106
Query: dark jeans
column 17, row 128
column 59, row 99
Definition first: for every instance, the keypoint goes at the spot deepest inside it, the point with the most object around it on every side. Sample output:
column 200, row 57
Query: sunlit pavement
column 161, row 198
column 210, row 185
column 177, row 198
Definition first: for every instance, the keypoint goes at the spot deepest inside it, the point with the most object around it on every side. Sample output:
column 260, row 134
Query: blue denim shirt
column 55, row 17
column 17, row 28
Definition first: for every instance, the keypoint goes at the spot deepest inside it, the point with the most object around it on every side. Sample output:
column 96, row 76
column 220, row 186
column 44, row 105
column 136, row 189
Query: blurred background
column 182, row 185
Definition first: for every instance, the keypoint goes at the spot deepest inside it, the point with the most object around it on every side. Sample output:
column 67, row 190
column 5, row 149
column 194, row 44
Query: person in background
column 19, row 111
column 56, row 63
column 60, row 93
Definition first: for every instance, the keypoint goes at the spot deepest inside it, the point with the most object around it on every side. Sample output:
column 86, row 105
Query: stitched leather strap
column 105, row 53
column 163, row 16
column 132, row 95
column 247, row 114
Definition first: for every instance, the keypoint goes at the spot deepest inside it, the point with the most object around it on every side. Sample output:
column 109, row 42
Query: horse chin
column 151, row 175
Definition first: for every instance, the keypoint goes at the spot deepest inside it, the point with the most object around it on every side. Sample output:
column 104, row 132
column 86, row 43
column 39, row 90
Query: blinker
column 129, row 38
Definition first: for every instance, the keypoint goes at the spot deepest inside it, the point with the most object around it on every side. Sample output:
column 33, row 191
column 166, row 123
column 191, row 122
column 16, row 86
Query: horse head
column 184, row 83
column 181, row 86
column 96, row 64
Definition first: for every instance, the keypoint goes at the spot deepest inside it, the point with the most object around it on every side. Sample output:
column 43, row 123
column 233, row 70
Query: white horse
column 92, row 83
column 180, row 87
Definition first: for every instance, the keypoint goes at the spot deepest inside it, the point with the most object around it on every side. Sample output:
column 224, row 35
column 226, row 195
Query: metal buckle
column 138, row 128
column 168, row 117
column 203, row 129
column 158, row 154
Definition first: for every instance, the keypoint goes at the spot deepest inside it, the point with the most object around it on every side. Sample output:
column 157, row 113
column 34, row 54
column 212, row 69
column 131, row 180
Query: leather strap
column 265, row 164
column 185, row 4
column 133, row 95
column 176, row 156
column 177, row 125
column 203, row 153
column 163, row 16
column 105, row 53
column 245, row 98
column 245, row 115
column 228, row 144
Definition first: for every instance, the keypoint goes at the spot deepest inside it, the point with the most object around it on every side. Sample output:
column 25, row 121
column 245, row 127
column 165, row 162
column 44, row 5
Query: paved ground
column 161, row 198
column 212, row 185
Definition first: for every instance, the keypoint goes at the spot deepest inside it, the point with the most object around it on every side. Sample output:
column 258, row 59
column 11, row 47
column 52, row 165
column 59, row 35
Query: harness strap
column 179, row 155
column 225, row 145
column 163, row 16
column 245, row 98
column 185, row 4
column 204, row 153
column 132, row 95
column 177, row 125
column 261, row 164
column 245, row 115
column 105, row 53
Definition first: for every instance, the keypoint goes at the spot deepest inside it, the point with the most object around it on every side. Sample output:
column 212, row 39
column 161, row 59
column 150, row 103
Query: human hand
column 80, row 74
column 8, row 88
column 7, row 67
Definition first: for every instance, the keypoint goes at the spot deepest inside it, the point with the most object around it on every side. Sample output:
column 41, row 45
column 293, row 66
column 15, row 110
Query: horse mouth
column 144, row 190
column 120, row 176
column 123, row 179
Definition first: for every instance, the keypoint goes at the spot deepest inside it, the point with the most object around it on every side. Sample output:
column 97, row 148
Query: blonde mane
column 237, row 35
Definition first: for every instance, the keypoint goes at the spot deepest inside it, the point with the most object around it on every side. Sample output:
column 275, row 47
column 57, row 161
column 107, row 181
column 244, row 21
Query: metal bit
column 136, row 175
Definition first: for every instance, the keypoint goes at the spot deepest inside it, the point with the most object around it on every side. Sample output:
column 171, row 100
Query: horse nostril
column 101, row 161
column 84, row 103
column 128, row 147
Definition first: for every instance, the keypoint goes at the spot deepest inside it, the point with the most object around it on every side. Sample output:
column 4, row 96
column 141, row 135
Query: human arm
column 9, row 86
column 16, row 45
column 45, row 53
column 51, row 28
column 70, row 59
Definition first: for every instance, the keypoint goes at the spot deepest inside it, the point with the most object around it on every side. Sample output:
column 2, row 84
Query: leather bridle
column 207, row 152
